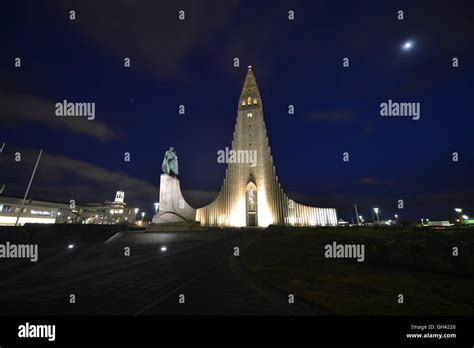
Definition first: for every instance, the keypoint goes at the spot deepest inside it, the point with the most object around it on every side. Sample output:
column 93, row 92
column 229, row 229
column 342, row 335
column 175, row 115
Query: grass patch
column 416, row 263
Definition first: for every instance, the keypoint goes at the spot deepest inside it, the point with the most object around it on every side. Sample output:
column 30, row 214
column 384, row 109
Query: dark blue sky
column 191, row 62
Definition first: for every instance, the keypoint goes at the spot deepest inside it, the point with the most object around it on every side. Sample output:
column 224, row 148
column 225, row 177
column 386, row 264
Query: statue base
column 186, row 226
column 173, row 207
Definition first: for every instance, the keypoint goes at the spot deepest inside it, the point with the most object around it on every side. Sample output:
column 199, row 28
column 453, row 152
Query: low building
column 441, row 223
column 33, row 212
column 47, row 212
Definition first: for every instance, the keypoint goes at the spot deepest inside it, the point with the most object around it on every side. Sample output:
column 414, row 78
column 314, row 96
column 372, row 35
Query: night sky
column 190, row 62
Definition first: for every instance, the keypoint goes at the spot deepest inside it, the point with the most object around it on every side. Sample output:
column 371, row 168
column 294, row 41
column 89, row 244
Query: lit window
column 249, row 114
column 249, row 101
column 243, row 102
column 255, row 101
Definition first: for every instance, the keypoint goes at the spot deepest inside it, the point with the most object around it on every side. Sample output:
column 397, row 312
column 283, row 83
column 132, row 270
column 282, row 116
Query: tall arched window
column 251, row 198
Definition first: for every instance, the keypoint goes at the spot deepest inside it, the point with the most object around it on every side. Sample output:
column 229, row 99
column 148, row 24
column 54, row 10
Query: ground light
column 163, row 248
column 70, row 246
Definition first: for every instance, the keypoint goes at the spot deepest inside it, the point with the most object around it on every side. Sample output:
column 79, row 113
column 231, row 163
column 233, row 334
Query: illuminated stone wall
column 231, row 206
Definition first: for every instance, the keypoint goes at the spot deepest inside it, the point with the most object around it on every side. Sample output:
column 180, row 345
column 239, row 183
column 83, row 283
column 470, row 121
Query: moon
column 408, row 45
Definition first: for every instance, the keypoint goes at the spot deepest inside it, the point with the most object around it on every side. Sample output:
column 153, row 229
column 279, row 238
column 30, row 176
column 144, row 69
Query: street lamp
column 376, row 211
column 157, row 205
column 143, row 215
column 458, row 213
column 396, row 218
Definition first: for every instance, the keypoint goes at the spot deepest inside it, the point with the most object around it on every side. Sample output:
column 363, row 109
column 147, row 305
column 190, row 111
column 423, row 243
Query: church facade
column 251, row 194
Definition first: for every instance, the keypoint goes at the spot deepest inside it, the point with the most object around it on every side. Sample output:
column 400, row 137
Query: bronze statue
column 170, row 163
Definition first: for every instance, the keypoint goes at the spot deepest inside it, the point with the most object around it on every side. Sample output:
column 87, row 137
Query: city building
column 46, row 212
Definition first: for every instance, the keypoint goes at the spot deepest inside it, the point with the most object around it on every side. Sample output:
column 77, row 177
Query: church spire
column 250, row 96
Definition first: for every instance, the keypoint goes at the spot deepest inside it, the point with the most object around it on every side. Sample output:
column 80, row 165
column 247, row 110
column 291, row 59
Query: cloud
column 63, row 178
column 370, row 180
column 15, row 109
column 338, row 116
column 150, row 32
column 436, row 205
column 330, row 116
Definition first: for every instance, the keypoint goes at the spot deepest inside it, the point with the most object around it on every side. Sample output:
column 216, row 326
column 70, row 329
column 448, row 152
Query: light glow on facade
column 10, row 220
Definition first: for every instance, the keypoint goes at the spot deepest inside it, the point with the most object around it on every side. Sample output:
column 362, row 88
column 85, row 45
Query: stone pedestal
column 173, row 207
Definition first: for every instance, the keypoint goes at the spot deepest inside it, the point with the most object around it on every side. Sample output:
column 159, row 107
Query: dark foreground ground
column 417, row 263
column 202, row 267
column 148, row 282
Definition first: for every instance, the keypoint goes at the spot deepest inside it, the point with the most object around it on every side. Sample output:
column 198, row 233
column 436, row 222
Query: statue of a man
column 170, row 163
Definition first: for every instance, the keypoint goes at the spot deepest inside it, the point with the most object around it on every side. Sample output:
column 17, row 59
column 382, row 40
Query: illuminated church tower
column 251, row 194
